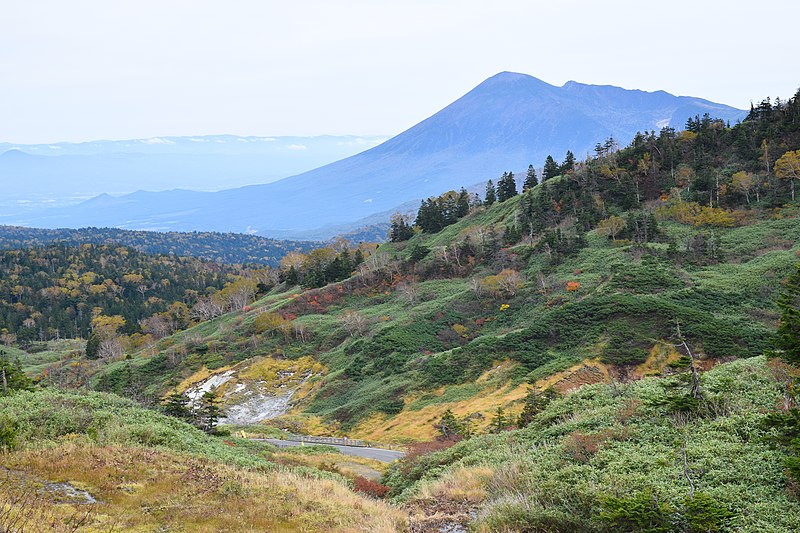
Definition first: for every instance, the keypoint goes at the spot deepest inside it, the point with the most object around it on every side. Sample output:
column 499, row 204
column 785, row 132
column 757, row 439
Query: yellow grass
column 417, row 425
column 660, row 356
column 201, row 375
column 583, row 373
column 347, row 465
column 147, row 490
column 466, row 484
column 269, row 370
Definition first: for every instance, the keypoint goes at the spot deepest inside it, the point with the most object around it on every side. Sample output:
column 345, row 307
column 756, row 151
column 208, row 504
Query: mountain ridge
column 507, row 122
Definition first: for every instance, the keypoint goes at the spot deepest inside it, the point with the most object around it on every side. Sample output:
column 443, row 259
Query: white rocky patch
column 195, row 392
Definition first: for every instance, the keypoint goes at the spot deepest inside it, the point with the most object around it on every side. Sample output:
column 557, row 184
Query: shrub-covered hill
column 407, row 341
column 621, row 457
column 59, row 451
column 596, row 273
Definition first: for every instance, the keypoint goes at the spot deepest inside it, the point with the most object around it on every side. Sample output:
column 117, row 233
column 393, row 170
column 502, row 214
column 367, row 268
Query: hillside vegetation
column 146, row 470
column 588, row 354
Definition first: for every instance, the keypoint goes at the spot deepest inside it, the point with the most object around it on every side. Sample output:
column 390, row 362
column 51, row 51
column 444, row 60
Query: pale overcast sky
column 81, row 70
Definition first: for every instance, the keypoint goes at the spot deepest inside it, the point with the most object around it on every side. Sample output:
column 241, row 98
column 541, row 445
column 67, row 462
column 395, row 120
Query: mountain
column 506, row 123
column 67, row 173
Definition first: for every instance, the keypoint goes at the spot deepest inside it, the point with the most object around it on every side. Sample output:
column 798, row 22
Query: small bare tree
column 408, row 292
column 354, row 323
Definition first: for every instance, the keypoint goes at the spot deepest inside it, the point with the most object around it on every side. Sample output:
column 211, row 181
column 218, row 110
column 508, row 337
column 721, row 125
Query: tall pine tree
column 569, row 163
column 550, row 168
column 506, row 187
column 491, row 196
column 530, row 179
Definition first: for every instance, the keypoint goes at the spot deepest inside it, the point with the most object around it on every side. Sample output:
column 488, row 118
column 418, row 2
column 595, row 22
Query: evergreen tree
column 534, row 403
column 177, row 405
column 452, row 428
column 788, row 337
column 92, row 346
column 506, row 187
column 462, row 205
column 358, row 258
column 11, row 376
column 209, row 412
column 569, row 163
column 550, row 169
column 500, row 422
column 292, row 277
column 400, row 229
column 491, row 196
column 530, row 179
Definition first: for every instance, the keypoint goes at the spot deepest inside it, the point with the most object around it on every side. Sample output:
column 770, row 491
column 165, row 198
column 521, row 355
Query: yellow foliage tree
column 106, row 327
column 611, row 227
column 506, row 283
column 272, row 323
column 787, row 167
column 743, row 182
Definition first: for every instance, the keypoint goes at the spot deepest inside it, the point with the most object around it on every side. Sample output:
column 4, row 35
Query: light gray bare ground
column 379, row 454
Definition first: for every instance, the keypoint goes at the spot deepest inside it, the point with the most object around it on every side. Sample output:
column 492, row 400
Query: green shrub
column 8, row 433
column 642, row 512
column 703, row 514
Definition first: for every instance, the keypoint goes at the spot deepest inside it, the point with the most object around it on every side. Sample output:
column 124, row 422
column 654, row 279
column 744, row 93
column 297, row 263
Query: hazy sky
column 80, row 70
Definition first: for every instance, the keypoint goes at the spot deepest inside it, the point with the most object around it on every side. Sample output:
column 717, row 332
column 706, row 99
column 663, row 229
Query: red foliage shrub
column 420, row 449
column 372, row 488
column 582, row 446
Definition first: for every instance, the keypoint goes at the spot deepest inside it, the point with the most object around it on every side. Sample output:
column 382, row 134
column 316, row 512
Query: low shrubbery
column 611, row 457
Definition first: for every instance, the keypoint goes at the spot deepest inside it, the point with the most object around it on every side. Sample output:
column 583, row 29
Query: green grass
column 44, row 354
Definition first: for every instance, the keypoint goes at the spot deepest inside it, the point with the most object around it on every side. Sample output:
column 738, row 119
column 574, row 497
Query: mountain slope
column 507, row 122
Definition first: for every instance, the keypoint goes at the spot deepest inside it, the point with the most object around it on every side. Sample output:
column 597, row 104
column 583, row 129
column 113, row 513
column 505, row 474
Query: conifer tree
column 788, row 337
column 506, row 187
column 209, row 412
column 11, row 375
column 534, row 403
column 530, row 179
column 462, row 204
column 491, row 196
column 500, row 421
column 569, row 163
column 550, row 169
column 177, row 405
column 400, row 229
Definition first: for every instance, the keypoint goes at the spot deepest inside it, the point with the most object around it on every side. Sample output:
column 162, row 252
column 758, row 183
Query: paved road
column 385, row 456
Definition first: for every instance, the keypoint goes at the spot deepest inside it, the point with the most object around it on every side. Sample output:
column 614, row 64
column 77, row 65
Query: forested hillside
column 230, row 248
column 62, row 291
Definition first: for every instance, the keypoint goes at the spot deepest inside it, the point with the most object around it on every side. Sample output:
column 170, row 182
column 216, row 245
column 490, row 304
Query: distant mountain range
column 505, row 123
column 66, row 173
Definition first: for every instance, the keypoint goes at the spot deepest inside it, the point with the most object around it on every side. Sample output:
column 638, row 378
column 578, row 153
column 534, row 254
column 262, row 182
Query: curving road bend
column 379, row 454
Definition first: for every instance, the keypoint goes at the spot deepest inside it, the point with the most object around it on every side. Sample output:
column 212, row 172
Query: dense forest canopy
column 56, row 291
column 230, row 248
